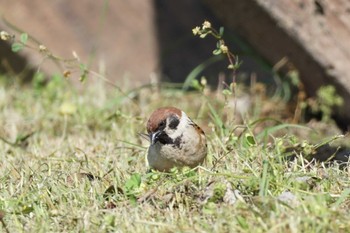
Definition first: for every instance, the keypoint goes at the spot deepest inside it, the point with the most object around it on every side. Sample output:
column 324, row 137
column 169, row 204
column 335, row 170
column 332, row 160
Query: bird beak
column 153, row 137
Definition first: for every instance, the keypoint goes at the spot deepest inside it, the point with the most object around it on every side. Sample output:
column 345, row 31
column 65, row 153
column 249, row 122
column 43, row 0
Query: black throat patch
column 164, row 139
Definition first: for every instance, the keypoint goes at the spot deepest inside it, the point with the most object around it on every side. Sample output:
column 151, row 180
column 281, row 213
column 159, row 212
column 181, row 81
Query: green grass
column 73, row 161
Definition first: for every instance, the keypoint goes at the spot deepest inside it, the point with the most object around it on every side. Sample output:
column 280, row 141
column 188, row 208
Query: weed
column 326, row 100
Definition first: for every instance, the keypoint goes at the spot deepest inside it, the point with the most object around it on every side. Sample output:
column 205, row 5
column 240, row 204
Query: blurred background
column 139, row 41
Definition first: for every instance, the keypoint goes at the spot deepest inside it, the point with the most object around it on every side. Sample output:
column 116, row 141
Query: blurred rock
column 314, row 35
column 117, row 38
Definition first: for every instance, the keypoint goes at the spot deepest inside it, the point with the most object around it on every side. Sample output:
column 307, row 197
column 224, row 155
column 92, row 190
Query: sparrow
column 176, row 141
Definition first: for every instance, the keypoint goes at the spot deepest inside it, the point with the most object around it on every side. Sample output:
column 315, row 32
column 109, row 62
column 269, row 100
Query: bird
column 175, row 140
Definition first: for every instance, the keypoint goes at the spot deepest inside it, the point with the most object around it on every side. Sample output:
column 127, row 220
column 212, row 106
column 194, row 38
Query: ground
column 73, row 160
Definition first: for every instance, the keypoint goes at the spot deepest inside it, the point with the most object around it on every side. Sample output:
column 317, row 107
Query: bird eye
column 161, row 124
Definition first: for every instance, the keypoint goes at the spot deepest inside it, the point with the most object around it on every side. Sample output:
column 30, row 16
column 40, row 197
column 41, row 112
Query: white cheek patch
column 174, row 133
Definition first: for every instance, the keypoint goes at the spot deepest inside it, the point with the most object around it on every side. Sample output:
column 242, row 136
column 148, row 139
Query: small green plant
column 221, row 47
column 131, row 187
column 70, row 65
column 26, row 41
column 326, row 100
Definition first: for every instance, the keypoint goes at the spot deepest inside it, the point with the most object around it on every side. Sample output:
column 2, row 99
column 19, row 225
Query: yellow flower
column 67, row 108
column 223, row 48
column 196, row 30
column 206, row 25
column 203, row 81
column 42, row 48
column 4, row 35
column 67, row 73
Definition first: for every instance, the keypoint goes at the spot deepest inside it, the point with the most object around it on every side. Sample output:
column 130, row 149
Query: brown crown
column 159, row 115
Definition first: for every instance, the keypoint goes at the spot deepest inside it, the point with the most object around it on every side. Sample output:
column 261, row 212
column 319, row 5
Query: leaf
column 203, row 35
column 82, row 67
column 264, row 182
column 250, row 139
column 226, row 92
column 15, row 47
column 235, row 66
column 293, row 75
column 131, row 187
column 24, row 38
column 242, row 222
column 83, row 77
column 195, row 84
column 329, row 140
column 84, row 72
column 132, row 183
column 26, row 209
column 344, row 195
column 38, row 81
column 221, row 31
column 217, row 51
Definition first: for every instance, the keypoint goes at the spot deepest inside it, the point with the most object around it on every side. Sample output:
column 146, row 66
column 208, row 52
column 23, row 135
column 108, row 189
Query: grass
column 73, row 161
